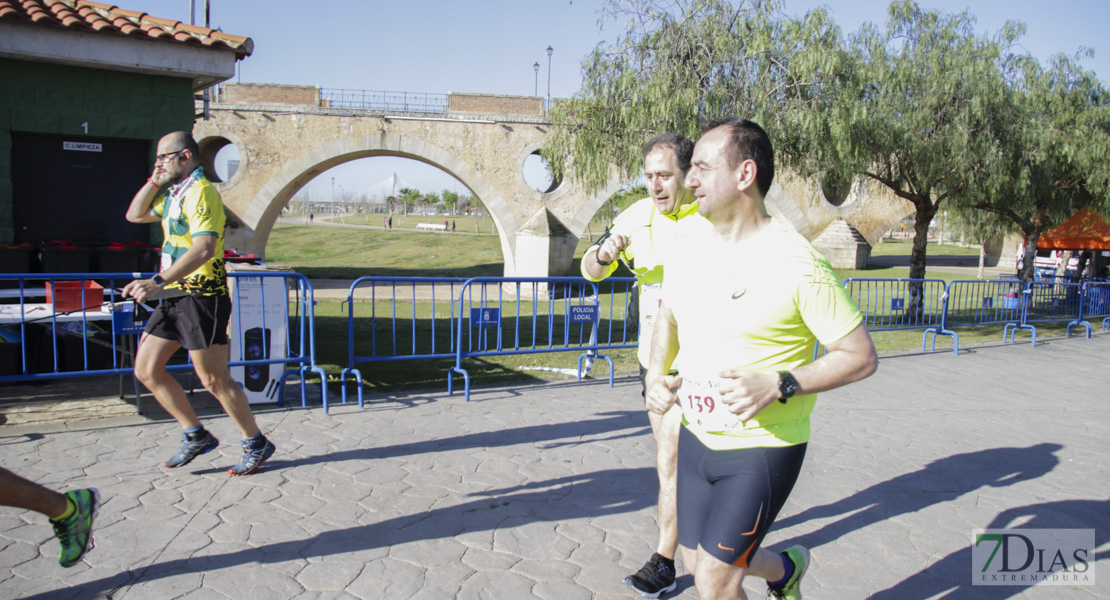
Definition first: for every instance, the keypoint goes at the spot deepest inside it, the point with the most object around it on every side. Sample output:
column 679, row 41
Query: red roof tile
column 106, row 19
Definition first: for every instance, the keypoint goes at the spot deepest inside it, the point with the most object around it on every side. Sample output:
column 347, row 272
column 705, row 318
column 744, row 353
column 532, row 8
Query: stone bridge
column 288, row 135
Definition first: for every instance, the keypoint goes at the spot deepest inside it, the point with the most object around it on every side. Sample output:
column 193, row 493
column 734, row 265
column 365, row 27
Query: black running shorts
column 196, row 322
column 728, row 499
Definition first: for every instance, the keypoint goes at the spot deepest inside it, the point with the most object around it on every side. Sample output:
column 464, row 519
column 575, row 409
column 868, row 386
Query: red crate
column 66, row 295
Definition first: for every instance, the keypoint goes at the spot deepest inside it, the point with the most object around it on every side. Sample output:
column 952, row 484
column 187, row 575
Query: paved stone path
column 548, row 491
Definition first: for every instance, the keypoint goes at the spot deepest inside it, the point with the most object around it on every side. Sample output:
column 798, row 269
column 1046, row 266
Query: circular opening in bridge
column 537, row 174
column 835, row 187
column 220, row 158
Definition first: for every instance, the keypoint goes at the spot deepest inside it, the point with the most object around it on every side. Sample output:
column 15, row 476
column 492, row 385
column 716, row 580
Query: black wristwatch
column 158, row 280
column 788, row 386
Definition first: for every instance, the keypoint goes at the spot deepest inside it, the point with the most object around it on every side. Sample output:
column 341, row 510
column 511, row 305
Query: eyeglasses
column 164, row 157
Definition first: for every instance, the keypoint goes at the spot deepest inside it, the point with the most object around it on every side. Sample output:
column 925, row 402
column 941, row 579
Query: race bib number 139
column 701, row 404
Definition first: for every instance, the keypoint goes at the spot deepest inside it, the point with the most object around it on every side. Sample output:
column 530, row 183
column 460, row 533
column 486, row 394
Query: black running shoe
column 653, row 579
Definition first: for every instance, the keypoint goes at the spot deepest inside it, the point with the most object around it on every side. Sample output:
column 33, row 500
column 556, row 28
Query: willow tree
column 1054, row 140
column 678, row 63
column 914, row 109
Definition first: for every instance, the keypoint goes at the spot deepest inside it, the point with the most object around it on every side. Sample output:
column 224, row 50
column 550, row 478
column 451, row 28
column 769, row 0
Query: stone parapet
column 269, row 93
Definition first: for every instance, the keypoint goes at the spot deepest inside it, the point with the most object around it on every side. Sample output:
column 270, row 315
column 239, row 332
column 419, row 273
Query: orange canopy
column 1085, row 231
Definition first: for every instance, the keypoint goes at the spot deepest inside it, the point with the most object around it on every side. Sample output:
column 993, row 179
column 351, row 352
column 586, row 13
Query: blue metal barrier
column 49, row 324
column 546, row 314
column 406, row 334
column 972, row 302
column 1096, row 302
column 892, row 304
column 1055, row 300
column 300, row 339
column 88, row 329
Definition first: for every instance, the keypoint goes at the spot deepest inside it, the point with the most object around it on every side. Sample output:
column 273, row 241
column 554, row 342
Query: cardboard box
column 66, row 295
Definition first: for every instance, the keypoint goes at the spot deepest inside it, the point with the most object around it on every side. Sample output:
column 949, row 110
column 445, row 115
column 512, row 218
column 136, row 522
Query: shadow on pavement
column 951, row 577
column 607, row 492
column 942, row 480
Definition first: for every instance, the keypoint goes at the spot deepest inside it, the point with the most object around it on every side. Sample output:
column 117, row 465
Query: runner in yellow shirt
column 746, row 304
column 644, row 233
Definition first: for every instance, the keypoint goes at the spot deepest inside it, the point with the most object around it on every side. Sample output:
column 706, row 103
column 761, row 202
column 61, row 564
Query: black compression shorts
column 196, row 322
column 728, row 499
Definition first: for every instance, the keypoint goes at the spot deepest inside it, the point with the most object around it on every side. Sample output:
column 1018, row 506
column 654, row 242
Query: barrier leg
column 281, row 389
column 611, row 367
column 1016, row 327
column 358, row 385
column 1106, row 324
column 323, row 386
column 466, row 382
column 343, row 386
column 1083, row 323
column 935, row 332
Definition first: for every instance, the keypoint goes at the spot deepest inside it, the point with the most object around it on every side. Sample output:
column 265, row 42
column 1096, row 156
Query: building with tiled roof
column 88, row 89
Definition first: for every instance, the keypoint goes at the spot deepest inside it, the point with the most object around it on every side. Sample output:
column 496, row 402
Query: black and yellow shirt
column 188, row 210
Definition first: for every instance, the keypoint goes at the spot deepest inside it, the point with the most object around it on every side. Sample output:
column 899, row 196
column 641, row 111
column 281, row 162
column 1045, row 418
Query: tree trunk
column 982, row 259
column 923, row 216
column 1028, row 263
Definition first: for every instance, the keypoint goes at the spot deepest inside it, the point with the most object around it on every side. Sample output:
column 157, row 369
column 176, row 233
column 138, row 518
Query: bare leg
column 150, row 367
column 716, row 579
column 18, row 492
column 665, row 427
column 211, row 367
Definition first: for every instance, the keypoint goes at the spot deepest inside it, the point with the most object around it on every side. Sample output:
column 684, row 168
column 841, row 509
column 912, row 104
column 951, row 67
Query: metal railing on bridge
column 405, row 102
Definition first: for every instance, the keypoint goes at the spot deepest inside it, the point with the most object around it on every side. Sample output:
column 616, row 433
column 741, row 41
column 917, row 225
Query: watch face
column 787, row 384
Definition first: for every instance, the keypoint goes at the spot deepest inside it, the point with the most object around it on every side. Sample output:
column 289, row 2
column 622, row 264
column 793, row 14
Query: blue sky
column 440, row 46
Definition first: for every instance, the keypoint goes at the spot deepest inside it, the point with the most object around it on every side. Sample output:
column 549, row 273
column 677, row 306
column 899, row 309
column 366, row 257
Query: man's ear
column 746, row 175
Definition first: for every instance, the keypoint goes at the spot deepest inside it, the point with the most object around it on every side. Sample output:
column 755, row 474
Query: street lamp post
column 549, row 78
column 536, row 68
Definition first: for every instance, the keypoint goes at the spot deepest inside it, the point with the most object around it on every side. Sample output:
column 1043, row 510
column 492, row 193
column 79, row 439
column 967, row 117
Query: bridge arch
column 267, row 203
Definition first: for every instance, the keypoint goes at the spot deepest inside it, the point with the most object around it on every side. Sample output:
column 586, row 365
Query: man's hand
column 661, row 394
column 159, row 176
column 610, row 249
column 745, row 393
column 141, row 289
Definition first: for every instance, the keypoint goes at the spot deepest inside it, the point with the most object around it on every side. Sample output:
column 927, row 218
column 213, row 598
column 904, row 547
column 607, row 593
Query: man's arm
column 664, row 349
column 849, row 359
column 202, row 250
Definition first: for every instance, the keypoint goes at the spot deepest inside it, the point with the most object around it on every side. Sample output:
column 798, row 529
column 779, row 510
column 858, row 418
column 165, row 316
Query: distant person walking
column 391, row 221
column 452, row 226
column 71, row 514
column 192, row 215
column 309, row 217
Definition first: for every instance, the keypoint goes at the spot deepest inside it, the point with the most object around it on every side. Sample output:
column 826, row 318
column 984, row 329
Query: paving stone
column 330, row 576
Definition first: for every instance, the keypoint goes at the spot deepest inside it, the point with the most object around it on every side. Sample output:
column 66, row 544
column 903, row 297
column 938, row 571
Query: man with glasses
column 644, row 233
column 196, row 318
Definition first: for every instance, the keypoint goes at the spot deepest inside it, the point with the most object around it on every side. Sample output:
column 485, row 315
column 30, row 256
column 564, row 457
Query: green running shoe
column 75, row 533
column 792, row 589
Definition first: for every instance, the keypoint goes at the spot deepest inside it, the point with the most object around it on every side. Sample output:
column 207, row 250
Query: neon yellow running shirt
column 761, row 307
